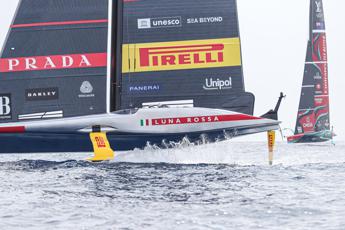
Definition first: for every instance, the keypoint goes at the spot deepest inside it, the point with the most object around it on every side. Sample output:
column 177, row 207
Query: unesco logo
column 150, row 23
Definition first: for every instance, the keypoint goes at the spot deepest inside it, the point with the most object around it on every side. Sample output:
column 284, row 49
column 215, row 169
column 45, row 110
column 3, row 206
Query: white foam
column 227, row 152
column 239, row 153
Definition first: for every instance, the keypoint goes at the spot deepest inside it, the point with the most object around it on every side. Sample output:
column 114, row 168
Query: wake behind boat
column 313, row 118
column 180, row 75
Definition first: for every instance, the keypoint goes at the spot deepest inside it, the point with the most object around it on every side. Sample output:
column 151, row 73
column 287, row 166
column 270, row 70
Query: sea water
column 227, row 185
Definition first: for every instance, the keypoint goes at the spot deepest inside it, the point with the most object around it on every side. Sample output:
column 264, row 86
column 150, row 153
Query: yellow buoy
column 271, row 138
column 101, row 147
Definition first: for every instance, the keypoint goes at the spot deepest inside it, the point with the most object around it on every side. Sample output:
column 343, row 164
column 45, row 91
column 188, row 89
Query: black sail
column 313, row 114
column 183, row 50
column 53, row 63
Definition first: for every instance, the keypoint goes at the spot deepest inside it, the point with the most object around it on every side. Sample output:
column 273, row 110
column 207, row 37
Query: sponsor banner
column 319, row 11
column 321, row 79
column 5, row 107
column 319, row 47
column 319, row 27
column 42, row 115
column 322, row 100
column 306, row 121
column 318, row 5
column 144, row 88
column 196, row 120
column 100, row 142
column 86, row 90
column 42, row 94
column 67, row 61
column 217, row 84
column 205, row 20
column 180, row 55
column 179, row 20
column 164, row 22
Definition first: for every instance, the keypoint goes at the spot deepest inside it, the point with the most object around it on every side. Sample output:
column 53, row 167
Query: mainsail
column 182, row 50
column 54, row 61
column 313, row 113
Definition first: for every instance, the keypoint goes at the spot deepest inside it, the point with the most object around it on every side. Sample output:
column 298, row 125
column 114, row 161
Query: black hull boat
column 313, row 118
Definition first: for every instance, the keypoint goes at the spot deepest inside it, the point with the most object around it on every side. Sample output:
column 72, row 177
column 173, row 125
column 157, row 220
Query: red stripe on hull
column 15, row 129
column 295, row 137
column 202, row 119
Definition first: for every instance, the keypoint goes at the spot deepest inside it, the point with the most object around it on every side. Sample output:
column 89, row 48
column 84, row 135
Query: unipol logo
column 318, row 7
column 5, row 106
column 217, row 84
column 181, row 55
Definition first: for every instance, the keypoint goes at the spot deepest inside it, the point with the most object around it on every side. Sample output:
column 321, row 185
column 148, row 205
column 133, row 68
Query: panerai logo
column 86, row 89
column 144, row 88
column 318, row 7
column 5, row 106
column 217, row 84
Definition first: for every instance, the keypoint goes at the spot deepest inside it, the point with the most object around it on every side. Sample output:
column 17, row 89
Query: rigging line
column 78, row 22
column 109, row 61
column 129, row 61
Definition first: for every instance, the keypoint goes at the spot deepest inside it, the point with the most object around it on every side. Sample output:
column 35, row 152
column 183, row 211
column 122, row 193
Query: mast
column 110, row 93
column 116, row 53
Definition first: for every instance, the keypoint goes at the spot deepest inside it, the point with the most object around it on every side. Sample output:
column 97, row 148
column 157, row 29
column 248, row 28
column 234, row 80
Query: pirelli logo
column 192, row 54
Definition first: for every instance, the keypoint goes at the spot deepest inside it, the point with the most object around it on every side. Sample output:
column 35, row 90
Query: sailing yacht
column 141, row 71
column 313, row 118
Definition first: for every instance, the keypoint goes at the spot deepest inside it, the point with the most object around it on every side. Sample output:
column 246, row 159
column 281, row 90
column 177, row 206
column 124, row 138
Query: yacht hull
column 316, row 137
column 127, row 130
column 54, row 142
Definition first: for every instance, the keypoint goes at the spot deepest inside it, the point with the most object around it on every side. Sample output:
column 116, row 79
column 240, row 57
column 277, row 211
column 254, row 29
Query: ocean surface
column 227, row 185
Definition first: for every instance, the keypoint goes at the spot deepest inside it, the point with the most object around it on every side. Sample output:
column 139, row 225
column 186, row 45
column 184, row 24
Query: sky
column 274, row 36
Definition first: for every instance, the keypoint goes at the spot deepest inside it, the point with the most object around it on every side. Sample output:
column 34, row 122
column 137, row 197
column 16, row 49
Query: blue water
column 227, row 185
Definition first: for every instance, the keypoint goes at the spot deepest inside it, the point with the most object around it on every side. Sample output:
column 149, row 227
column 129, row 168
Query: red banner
column 67, row 61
